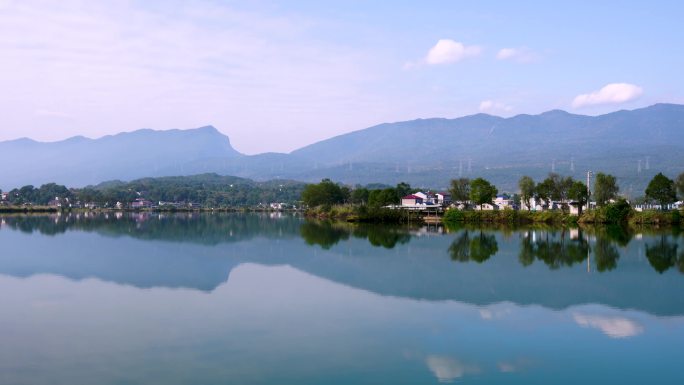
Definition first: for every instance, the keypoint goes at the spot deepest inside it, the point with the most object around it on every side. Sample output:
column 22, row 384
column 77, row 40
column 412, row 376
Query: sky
column 276, row 76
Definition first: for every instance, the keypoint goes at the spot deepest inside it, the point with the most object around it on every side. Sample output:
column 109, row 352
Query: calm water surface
column 249, row 299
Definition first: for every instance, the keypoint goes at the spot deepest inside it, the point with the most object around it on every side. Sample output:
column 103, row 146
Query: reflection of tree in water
column 201, row 228
column 663, row 255
column 385, row 236
column 555, row 249
column 324, row 234
column 618, row 234
column 478, row 248
column 605, row 254
column 327, row 234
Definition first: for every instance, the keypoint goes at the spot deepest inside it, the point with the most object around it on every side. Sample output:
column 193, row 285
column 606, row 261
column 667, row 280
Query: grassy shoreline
column 363, row 214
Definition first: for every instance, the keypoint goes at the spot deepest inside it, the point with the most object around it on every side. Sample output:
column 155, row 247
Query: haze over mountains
column 633, row 145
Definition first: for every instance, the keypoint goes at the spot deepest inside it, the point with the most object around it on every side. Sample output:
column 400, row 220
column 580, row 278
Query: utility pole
column 589, row 174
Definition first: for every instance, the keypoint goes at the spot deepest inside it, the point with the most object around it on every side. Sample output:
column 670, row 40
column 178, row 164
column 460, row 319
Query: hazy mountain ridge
column 424, row 152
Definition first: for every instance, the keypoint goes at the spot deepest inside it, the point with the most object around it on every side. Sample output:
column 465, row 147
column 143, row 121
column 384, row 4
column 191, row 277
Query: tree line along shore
column 552, row 200
column 547, row 201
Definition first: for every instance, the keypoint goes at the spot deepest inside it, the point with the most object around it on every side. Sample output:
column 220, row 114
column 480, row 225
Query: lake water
column 256, row 299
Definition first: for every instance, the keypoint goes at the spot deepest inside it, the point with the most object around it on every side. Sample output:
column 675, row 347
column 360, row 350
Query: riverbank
column 453, row 216
column 364, row 214
column 48, row 209
column 27, row 209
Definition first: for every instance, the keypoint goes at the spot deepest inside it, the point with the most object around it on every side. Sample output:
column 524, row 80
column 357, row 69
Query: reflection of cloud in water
column 447, row 369
column 614, row 327
column 494, row 312
column 517, row 365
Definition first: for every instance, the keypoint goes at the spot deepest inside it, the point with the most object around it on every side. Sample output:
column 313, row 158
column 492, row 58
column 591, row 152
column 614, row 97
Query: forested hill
column 207, row 190
column 632, row 145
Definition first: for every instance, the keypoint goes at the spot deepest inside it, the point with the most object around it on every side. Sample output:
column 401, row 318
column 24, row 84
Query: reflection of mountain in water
column 543, row 267
column 206, row 229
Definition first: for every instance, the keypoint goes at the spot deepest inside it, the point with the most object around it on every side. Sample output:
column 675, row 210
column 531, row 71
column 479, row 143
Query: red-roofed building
column 411, row 200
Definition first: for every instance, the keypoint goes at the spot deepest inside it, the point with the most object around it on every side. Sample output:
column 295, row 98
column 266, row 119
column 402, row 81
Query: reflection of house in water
column 428, row 229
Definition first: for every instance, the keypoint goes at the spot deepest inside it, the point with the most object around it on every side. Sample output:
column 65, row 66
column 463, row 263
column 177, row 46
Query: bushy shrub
column 617, row 212
column 453, row 216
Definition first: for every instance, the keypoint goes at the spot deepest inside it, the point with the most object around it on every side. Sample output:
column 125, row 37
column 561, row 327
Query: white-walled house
column 486, row 207
column 574, row 208
column 654, row 206
column 504, row 203
column 443, row 198
column 539, row 205
column 421, row 195
column 417, row 201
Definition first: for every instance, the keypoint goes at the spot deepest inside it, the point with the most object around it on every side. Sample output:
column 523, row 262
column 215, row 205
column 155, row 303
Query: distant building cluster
column 425, row 200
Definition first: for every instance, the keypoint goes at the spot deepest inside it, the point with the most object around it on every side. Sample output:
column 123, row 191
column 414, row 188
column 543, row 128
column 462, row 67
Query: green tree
column 662, row 190
column 384, row 197
column 680, row 185
column 460, row 190
column 403, row 189
column 605, row 188
column 580, row 194
column 544, row 191
column 527, row 186
column 481, row 192
column 360, row 195
column 324, row 193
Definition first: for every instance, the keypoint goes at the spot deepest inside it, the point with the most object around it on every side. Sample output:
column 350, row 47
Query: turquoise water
column 254, row 299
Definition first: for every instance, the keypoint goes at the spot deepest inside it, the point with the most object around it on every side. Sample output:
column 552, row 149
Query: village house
column 420, row 201
column 141, row 203
column 412, row 200
column 432, row 198
column 505, row 203
column 443, row 198
column 654, row 206
column 539, row 205
column 486, row 207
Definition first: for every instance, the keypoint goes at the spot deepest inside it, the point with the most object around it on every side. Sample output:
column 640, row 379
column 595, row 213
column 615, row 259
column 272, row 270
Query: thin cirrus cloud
column 519, row 55
column 494, row 106
column 86, row 68
column 614, row 93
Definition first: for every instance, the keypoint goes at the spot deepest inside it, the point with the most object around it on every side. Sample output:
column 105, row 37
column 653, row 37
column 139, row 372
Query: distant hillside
column 79, row 161
column 633, row 145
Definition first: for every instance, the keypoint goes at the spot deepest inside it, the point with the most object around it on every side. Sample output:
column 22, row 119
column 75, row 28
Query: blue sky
column 275, row 76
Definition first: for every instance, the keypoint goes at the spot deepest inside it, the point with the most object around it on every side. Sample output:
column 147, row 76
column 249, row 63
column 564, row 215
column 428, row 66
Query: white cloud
column 614, row 327
column 614, row 93
column 493, row 106
column 520, row 55
column 449, row 51
column 447, row 369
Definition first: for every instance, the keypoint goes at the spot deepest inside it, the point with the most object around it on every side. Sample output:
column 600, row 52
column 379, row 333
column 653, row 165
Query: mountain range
column 633, row 145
